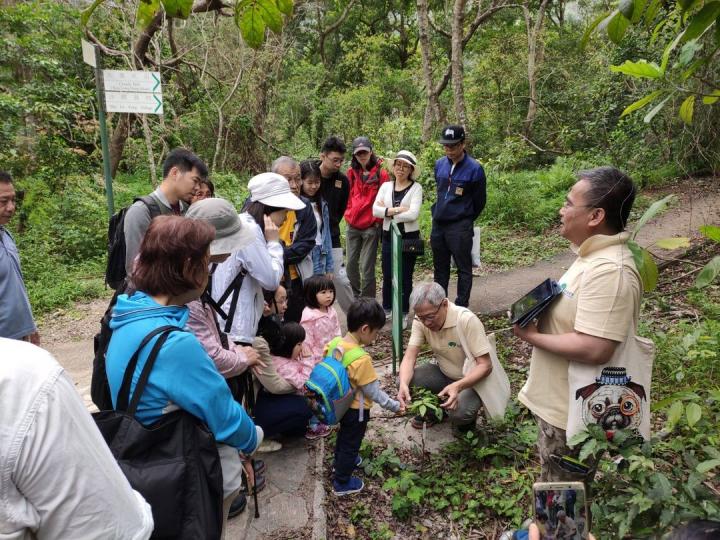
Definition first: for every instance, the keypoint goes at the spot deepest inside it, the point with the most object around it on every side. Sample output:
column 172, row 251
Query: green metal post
column 397, row 314
column 103, row 132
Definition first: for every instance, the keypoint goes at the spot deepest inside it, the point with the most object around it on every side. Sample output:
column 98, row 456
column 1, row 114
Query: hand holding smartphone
column 561, row 510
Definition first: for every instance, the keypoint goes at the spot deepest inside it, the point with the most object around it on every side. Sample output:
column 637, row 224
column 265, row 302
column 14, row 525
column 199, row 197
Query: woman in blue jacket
column 172, row 270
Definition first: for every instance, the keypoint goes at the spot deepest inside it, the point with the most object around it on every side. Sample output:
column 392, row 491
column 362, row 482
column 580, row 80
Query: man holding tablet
column 596, row 311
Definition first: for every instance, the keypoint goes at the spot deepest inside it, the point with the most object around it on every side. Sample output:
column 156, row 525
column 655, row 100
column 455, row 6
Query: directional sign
column 134, row 102
column 133, row 91
column 88, row 52
column 131, row 81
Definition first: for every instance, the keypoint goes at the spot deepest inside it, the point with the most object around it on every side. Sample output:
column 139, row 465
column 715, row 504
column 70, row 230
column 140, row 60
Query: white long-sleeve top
column 263, row 262
column 58, row 478
column 412, row 200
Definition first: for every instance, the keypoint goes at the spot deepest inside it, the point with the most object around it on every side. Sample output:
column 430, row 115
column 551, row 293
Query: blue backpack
column 328, row 390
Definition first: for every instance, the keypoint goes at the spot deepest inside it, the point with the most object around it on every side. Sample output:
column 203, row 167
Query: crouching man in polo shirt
column 438, row 322
column 597, row 311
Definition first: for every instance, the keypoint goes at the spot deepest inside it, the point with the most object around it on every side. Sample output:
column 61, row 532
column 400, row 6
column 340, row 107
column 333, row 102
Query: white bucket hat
column 230, row 232
column 409, row 158
column 273, row 189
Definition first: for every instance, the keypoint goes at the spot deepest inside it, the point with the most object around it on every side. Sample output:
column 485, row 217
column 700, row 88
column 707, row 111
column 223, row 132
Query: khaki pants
column 464, row 415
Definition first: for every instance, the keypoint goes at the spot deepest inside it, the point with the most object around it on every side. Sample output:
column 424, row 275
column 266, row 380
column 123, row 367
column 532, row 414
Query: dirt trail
column 68, row 334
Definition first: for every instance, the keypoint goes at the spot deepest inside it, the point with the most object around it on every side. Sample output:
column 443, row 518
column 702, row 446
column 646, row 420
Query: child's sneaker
column 316, row 432
column 354, row 485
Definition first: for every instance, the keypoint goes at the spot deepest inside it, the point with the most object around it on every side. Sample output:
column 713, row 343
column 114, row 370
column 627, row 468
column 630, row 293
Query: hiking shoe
column 317, row 432
column 237, row 507
column 354, row 485
column 259, row 466
column 268, row 446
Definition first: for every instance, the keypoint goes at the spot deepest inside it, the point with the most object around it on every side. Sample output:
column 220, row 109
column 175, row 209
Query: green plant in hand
column 425, row 402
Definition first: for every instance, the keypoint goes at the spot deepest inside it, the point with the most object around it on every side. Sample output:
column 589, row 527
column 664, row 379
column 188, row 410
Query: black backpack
column 115, row 270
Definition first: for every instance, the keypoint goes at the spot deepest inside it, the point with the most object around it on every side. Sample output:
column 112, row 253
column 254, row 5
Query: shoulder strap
column 232, row 289
column 151, row 203
column 461, row 334
column 124, row 393
column 353, row 354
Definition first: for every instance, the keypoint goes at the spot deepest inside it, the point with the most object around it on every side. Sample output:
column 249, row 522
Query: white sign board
column 88, row 52
column 131, row 81
column 134, row 102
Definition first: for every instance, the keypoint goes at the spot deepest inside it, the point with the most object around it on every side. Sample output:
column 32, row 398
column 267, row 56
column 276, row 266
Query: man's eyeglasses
column 429, row 317
column 337, row 161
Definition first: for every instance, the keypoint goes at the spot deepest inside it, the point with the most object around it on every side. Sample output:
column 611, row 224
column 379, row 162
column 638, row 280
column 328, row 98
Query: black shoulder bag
column 173, row 463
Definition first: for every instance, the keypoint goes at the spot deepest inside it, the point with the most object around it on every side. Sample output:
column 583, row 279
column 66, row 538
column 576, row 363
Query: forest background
column 534, row 89
column 544, row 87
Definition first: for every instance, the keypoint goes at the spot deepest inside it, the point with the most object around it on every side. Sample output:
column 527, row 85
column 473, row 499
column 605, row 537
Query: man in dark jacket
column 460, row 199
column 335, row 189
column 298, row 236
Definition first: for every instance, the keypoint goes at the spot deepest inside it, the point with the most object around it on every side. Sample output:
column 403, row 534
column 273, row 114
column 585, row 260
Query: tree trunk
column 535, row 54
column 456, row 61
column 432, row 107
column 117, row 141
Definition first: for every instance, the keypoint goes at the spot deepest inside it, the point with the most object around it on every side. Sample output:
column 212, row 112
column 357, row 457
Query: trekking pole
column 254, row 489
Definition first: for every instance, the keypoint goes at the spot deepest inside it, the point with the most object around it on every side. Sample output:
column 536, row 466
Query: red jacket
column 358, row 213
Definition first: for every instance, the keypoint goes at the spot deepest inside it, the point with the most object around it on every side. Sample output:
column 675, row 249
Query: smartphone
column 561, row 510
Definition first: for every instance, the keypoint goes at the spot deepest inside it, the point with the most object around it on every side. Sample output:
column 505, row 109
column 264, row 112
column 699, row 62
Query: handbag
column 414, row 246
column 493, row 390
column 614, row 395
column 173, row 463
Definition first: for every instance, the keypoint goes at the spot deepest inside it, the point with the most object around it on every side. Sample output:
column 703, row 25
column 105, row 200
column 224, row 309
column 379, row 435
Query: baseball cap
column 231, row 234
column 361, row 143
column 452, row 135
column 273, row 189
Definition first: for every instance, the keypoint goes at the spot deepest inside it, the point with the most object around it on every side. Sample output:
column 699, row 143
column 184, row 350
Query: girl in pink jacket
column 294, row 363
column 319, row 317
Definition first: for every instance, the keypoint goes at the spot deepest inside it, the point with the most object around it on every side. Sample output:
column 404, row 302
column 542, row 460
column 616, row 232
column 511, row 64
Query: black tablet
column 534, row 302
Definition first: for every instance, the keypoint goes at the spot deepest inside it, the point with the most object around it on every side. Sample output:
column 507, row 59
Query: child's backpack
column 115, row 270
column 328, row 391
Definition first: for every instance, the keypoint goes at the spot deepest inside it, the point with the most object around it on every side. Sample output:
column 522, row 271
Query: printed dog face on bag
column 613, row 402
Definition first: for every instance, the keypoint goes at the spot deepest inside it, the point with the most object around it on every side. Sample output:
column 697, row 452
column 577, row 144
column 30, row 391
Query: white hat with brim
column 409, row 158
column 231, row 234
column 273, row 189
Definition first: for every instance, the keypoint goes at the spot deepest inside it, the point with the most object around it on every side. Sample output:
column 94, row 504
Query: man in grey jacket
column 182, row 172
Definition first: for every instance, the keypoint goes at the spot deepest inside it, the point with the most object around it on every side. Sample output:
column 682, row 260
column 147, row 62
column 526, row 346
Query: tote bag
column 615, row 395
column 173, row 463
column 494, row 390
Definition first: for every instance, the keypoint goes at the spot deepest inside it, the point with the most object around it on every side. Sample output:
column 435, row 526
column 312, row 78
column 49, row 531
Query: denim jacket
column 322, row 254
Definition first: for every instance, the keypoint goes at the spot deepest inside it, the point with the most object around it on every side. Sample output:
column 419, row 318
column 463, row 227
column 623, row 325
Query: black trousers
column 296, row 301
column 453, row 239
column 347, row 445
column 408, row 267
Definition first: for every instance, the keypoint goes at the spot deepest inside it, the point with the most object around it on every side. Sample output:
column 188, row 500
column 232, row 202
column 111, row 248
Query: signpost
column 138, row 92
column 397, row 315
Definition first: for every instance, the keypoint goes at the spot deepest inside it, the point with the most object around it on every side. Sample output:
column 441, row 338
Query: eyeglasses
column 402, row 166
column 568, row 204
column 427, row 318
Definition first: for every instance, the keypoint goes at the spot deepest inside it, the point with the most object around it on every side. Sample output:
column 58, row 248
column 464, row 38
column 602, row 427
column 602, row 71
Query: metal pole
column 103, row 131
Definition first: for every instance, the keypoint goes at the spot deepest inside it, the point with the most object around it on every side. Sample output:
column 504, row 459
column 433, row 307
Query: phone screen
column 560, row 510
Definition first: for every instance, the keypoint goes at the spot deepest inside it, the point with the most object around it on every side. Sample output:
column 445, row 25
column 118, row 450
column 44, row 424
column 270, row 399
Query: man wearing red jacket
column 365, row 174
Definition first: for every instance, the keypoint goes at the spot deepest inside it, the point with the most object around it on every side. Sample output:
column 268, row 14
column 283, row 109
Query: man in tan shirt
column 593, row 315
column 437, row 323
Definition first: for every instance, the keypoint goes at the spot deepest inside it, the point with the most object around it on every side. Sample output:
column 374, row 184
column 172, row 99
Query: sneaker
column 354, row 485
column 268, row 446
column 259, row 466
column 317, row 432
column 237, row 507
column 259, row 484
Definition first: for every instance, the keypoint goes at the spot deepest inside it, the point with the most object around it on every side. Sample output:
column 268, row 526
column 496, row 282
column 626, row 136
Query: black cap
column 361, row 143
column 452, row 135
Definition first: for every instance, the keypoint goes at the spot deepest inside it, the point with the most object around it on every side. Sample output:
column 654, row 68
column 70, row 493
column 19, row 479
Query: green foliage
column 646, row 488
column 425, row 404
